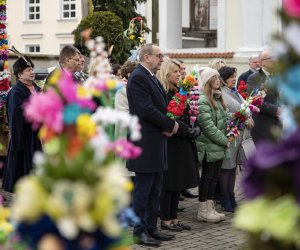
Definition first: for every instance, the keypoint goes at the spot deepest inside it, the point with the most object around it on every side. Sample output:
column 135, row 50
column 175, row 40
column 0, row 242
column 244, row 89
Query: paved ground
column 212, row 236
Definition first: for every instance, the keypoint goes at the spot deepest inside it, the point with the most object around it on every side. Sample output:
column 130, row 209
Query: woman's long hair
column 209, row 93
column 166, row 68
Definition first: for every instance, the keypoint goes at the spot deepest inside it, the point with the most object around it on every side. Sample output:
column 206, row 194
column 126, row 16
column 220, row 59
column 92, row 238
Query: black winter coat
column 183, row 172
column 148, row 100
column 23, row 140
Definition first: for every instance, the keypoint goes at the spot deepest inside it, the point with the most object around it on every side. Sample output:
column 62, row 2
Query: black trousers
column 209, row 178
column 147, row 188
column 169, row 201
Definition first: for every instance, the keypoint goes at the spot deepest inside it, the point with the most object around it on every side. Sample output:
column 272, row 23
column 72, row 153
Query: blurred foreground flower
column 78, row 191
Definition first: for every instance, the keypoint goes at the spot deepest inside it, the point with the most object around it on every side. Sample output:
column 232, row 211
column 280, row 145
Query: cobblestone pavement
column 212, row 236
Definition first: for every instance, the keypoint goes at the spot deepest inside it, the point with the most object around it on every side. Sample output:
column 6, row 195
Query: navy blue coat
column 148, row 100
column 244, row 77
column 23, row 140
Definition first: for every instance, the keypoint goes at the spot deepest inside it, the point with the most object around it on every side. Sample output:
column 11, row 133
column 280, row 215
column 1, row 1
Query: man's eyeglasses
column 160, row 55
column 75, row 59
column 268, row 58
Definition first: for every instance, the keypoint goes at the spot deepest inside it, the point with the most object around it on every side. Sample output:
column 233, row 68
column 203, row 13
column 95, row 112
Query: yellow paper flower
column 5, row 226
column 82, row 92
column 142, row 39
column 111, row 84
column 30, row 199
column 86, row 127
column 132, row 37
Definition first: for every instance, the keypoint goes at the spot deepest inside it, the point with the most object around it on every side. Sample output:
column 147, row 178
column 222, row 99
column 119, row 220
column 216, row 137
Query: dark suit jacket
column 244, row 77
column 147, row 99
column 267, row 117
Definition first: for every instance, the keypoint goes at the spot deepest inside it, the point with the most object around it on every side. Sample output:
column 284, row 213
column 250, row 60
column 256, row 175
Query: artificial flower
column 125, row 149
column 86, row 127
column 71, row 113
column 68, row 89
column 45, row 108
column 177, row 106
column 74, row 146
column 187, row 83
column 288, row 85
column 277, row 218
column 30, row 202
column 270, row 164
column 5, row 226
column 292, row 8
column 291, row 34
column 242, row 89
column 78, row 187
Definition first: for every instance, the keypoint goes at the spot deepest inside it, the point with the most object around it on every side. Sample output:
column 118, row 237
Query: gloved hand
column 193, row 133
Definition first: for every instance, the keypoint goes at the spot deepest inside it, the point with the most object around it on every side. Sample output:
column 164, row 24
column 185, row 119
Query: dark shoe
column 146, row 240
column 180, row 209
column 232, row 200
column 183, row 226
column 172, row 227
column 188, row 194
column 226, row 204
column 158, row 235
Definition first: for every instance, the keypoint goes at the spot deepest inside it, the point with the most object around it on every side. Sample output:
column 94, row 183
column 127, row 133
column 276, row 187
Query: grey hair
column 252, row 57
column 146, row 49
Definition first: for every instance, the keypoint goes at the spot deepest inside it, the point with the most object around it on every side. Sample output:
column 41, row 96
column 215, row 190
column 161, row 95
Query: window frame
column 70, row 11
column 35, row 46
column 34, row 13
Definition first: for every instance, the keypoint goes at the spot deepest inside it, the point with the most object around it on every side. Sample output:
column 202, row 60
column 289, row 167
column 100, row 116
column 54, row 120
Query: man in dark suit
column 147, row 99
column 268, row 118
column 254, row 66
column 70, row 60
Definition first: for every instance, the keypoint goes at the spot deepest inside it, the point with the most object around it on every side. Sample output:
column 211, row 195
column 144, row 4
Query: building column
column 170, row 24
column 257, row 18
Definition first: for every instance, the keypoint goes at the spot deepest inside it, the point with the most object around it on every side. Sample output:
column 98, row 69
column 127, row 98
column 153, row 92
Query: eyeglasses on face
column 268, row 58
column 75, row 59
column 160, row 55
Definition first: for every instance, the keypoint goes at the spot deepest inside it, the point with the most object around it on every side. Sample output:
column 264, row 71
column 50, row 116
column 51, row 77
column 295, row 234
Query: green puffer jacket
column 212, row 140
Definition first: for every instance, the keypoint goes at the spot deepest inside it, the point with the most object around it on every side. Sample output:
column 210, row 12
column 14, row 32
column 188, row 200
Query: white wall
column 53, row 30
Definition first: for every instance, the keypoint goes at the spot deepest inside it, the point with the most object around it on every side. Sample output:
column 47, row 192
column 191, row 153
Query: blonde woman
column 212, row 144
column 216, row 63
column 182, row 170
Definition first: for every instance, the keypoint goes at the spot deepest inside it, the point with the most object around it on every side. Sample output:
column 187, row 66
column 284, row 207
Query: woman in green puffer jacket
column 212, row 144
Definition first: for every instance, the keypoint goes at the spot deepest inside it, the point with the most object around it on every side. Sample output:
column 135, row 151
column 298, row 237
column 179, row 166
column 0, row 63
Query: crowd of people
column 176, row 156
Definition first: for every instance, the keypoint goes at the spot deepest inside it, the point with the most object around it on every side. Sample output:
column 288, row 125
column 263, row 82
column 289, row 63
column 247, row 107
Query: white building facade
column 43, row 26
column 198, row 30
column 193, row 30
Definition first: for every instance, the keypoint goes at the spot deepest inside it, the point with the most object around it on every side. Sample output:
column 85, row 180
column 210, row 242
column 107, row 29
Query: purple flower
column 274, row 169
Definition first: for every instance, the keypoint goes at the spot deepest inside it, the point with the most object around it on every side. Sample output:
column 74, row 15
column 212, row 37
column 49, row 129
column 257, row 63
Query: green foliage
column 105, row 24
column 125, row 9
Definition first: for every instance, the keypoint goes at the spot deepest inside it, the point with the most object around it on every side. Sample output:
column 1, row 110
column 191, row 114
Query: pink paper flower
column 292, row 7
column 125, row 149
column 45, row 108
column 68, row 88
